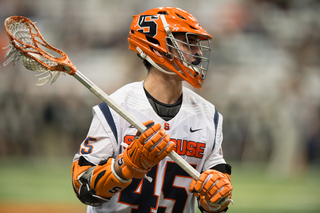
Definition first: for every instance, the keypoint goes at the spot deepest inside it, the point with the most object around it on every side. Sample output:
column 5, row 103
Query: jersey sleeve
column 216, row 155
column 98, row 144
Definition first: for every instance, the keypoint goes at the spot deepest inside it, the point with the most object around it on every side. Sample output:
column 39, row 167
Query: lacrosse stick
column 27, row 44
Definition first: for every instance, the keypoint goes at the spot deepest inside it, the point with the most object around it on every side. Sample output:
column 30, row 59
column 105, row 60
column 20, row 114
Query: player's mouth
column 197, row 61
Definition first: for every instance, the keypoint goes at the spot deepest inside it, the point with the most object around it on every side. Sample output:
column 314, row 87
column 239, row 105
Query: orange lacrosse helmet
column 155, row 29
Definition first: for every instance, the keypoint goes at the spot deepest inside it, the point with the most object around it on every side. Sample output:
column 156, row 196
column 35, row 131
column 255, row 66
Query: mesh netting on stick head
column 27, row 44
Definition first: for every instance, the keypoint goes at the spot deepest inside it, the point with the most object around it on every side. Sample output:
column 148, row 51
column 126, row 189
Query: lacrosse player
column 118, row 169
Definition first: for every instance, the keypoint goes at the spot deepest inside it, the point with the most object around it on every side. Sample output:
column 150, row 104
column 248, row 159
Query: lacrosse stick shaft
column 132, row 120
column 105, row 98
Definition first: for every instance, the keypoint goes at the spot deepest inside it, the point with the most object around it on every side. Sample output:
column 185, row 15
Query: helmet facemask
column 198, row 63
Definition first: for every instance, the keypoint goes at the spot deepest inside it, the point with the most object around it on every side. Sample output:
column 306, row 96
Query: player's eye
column 193, row 40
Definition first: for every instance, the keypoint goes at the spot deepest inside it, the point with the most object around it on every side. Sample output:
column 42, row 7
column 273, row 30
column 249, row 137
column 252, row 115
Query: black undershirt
column 165, row 111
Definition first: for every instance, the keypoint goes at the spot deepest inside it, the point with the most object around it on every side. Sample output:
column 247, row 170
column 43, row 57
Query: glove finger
column 223, row 192
column 192, row 186
column 217, row 186
column 153, row 157
column 198, row 186
column 160, row 145
column 223, row 188
column 211, row 180
column 166, row 150
column 159, row 152
column 203, row 179
column 154, row 140
column 148, row 124
column 145, row 136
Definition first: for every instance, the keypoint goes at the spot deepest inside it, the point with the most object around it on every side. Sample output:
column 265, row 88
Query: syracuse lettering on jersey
column 183, row 147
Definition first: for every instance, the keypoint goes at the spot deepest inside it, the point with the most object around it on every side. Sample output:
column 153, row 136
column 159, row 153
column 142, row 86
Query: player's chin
column 179, row 78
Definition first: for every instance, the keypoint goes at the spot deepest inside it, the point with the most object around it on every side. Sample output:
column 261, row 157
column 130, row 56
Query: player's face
column 188, row 51
column 188, row 48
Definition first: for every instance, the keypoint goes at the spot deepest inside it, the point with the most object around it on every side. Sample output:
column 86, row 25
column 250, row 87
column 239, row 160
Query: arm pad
column 95, row 185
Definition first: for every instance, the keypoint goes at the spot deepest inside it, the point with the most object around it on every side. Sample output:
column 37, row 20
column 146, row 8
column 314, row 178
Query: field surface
column 44, row 186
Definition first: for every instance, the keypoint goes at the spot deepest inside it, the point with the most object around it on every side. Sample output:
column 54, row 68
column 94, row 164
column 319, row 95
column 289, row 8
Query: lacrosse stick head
column 27, row 44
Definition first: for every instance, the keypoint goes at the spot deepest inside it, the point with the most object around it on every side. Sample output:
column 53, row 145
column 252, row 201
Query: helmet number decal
column 148, row 25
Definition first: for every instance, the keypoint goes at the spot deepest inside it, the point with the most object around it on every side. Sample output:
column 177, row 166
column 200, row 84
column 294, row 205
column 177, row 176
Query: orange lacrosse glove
column 147, row 150
column 96, row 184
column 214, row 189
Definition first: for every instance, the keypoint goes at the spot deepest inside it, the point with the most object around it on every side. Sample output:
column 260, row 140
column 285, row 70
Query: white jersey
column 196, row 130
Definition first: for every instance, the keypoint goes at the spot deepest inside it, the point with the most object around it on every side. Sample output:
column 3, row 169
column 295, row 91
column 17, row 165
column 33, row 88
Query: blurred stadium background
column 264, row 78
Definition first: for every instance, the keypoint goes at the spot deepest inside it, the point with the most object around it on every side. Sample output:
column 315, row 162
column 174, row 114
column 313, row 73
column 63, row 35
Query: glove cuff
column 129, row 170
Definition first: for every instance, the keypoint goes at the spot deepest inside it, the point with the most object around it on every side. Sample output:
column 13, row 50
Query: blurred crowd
column 264, row 75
